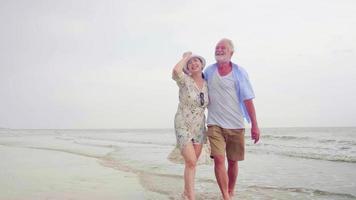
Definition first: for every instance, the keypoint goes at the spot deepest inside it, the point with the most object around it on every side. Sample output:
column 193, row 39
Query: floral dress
column 189, row 121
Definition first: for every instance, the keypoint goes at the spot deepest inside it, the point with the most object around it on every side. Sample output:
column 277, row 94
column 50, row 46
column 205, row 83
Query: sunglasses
column 202, row 101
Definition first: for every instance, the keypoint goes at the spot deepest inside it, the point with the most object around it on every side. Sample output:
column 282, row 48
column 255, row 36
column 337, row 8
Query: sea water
column 287, row 163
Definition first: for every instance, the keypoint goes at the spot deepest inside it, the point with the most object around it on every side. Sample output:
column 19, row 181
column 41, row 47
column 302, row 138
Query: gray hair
column 229, row 42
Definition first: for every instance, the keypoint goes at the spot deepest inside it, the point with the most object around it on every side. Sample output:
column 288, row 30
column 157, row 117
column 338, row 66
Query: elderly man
column 231, row 100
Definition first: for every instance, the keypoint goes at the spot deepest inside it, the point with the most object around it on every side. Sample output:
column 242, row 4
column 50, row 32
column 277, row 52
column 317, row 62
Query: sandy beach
column 31, row 171
column 132, row 164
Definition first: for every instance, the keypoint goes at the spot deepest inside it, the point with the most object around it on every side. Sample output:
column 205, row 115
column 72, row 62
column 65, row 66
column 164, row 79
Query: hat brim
column 191, row 57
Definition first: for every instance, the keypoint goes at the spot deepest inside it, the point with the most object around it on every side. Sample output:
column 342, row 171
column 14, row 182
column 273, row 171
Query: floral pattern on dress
column 189, row 122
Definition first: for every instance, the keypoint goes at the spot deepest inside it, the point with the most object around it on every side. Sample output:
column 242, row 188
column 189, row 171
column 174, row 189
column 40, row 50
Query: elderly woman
column 189, row 122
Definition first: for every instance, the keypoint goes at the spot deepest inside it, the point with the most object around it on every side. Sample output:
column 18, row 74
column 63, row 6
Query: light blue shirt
column 243, row 86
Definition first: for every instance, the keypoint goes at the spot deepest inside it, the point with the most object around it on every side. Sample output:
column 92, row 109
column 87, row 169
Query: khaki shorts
column 231, row 141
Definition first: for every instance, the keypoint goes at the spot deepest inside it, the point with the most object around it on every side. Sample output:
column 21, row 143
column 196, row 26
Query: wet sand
column 28, row 173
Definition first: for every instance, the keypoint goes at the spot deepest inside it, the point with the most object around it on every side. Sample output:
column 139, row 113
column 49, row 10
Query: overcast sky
column 107, row 64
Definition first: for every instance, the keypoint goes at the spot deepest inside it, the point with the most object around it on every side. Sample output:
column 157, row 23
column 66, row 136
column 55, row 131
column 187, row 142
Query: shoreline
column 133, row 165
column 41, row 174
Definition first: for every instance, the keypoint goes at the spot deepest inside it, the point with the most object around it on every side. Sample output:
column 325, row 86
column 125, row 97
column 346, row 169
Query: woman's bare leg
column 190, row 159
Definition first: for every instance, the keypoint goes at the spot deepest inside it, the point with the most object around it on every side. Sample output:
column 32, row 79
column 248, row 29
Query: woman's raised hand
column 187, row 54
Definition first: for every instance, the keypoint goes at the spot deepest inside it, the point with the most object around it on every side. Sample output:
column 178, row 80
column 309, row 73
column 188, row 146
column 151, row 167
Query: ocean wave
column 338, row 152
column 308, row 155
column 206, row 188
column 285, row 137
column 289, row 150
column 133, row 141
column 304, row 138
column 339, row 142
column 328, row 157
column 312, row 140
column 347, row 142
column 290, row 146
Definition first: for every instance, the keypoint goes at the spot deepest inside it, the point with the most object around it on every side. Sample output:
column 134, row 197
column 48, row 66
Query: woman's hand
column 187, row 54
column 178, row 68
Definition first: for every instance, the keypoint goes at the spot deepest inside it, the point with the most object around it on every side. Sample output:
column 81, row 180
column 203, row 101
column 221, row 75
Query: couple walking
column 224, row 88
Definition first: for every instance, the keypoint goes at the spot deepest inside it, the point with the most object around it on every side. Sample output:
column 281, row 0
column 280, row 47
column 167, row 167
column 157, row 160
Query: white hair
column 229, row 42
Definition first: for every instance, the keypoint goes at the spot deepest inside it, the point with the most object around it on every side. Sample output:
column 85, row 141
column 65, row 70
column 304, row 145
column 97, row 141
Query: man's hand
column 255, row 134
column 255, row 131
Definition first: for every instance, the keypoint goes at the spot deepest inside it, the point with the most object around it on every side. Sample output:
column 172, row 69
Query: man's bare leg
column 221, row 175
column 232, row 172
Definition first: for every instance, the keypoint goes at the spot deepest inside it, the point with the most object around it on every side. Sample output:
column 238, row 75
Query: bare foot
column 232, row 194
column 226, row 197
column 184, row 196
